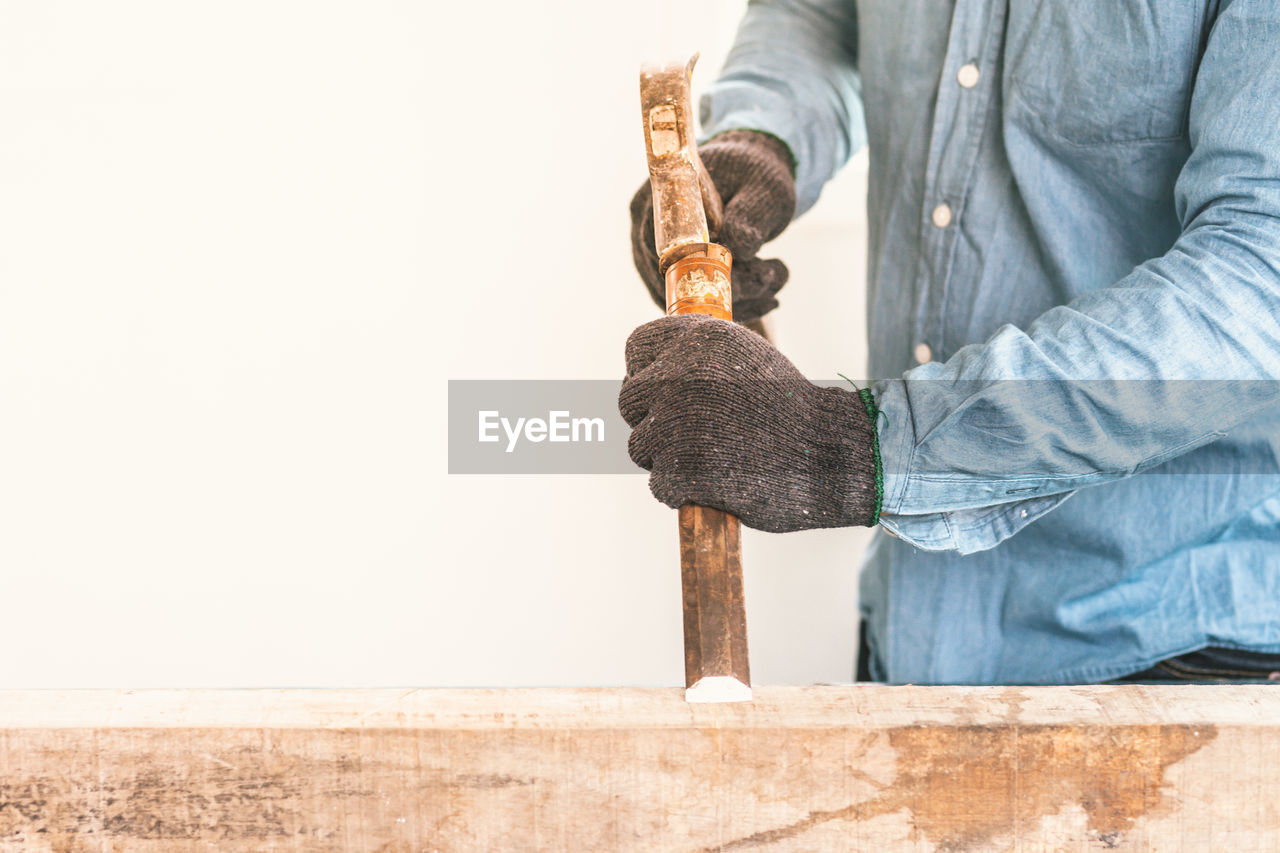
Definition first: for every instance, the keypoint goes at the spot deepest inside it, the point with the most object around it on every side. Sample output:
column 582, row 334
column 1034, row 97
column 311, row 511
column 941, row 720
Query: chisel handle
column 716, row 667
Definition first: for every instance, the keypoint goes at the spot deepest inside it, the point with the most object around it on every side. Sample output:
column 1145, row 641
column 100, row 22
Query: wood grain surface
column 867, row 767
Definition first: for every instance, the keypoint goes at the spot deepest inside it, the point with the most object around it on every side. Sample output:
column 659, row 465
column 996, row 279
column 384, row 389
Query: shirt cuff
column 964, row 530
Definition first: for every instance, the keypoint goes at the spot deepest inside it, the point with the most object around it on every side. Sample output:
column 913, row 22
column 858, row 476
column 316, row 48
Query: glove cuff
column 873, row 414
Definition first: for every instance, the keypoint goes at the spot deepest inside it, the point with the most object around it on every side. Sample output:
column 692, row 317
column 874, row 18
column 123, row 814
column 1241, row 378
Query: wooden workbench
column 821, row 768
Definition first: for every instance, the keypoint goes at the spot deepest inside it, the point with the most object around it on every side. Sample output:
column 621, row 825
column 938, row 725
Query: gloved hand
column 722, row 419
column 752, row 173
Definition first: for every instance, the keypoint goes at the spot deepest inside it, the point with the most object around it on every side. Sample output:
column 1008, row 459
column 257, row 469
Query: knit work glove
column 722, row 419
column 752, row 173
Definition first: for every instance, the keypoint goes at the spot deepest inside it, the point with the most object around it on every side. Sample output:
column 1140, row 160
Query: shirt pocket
column 1104, row 71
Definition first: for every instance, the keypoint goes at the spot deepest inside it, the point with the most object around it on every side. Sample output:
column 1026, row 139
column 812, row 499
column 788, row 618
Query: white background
column 243, row 245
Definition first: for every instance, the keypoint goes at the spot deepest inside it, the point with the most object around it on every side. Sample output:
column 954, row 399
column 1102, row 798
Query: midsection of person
column 1059, row 193
column 1067, row 185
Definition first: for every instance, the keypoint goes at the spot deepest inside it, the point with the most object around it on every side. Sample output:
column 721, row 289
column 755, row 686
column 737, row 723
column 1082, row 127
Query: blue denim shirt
column 1059, row 191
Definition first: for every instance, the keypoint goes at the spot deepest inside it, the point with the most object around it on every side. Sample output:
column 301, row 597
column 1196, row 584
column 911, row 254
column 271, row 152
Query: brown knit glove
column 752, row 173
column 722, row 419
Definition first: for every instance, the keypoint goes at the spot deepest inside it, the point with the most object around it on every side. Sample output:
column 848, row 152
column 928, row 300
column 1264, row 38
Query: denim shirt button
column 968, row 75
column 923, row 354
column 942, row 215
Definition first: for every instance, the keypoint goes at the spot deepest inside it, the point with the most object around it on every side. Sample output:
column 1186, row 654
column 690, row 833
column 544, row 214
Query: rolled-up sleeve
column 792, row 73
column 1128, row 376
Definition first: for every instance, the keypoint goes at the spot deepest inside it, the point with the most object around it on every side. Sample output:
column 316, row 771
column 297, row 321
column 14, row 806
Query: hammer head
column 686, row 206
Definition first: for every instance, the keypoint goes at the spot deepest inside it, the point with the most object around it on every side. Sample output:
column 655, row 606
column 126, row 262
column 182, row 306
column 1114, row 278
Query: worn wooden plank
column 825, row 768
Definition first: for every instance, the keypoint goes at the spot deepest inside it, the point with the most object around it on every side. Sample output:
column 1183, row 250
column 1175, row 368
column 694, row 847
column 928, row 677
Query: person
column 1073, row 286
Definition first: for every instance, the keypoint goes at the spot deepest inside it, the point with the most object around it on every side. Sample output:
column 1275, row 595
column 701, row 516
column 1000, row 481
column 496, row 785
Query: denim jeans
column 1211, row 665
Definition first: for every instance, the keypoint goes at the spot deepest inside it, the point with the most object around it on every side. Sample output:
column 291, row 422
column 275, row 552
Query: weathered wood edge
column 638, row 769
column 642, row 707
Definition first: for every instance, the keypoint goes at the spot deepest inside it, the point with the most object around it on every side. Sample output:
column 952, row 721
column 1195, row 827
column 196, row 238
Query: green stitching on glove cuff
column 873, row 413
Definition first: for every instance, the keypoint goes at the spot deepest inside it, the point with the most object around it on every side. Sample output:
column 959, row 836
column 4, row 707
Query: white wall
column 242, row 247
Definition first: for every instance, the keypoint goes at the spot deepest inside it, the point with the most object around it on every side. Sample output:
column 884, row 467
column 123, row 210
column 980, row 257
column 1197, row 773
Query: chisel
column 686, row 210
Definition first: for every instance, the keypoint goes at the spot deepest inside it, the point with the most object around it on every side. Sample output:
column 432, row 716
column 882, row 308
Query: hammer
column 696, row 271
